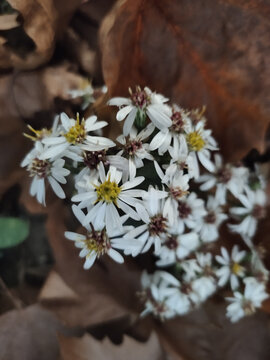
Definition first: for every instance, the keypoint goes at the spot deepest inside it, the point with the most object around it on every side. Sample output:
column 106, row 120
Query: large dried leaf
column 29, row 334
column 213, row 53
column 43, row 22
column 89, row 348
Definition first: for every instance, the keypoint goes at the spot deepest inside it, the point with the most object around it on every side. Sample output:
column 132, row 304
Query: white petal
column 156, row 115
column 158, row 139
column 116, row 256
column 119, row 101
column 74, row 236
column 133, row 183
column 122, row 113
column 89, row 261
column 56, row 188
column 206, row 162
column 128, row 210
column 129, row 121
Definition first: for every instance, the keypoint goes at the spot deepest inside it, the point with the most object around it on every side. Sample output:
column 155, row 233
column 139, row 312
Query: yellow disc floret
column 236, row 268
column 38, row 134
column 76, row 133
column 195, row 141
column 108, row 191
column 98, row 242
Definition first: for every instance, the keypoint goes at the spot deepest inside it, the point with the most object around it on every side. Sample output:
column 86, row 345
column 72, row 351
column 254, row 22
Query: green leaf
column 13, row 231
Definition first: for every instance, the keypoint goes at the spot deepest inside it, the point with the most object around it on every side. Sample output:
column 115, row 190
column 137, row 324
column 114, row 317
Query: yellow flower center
column 84, row 84
column 195, row 141
column 76, row 133
column 236, row 268
column 98, row 242
column 108, row 191
column 38, row 134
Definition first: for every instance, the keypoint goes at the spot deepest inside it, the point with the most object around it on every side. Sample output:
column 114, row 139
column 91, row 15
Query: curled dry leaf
column 106, row 292
column 29, row 334
column 43, row 22
column 55, row 290
column 8, row 21
column 36, row 91
column 213, row 53
column 88, row 348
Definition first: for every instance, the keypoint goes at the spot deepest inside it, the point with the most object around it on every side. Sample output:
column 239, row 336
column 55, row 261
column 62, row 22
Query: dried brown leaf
column 55, row 290
column 44, row 22
column 213, row 53
column 29, row 334
column 8, row 21
column 89, row 348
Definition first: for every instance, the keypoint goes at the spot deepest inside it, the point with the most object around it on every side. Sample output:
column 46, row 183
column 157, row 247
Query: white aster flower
column 173, row 136
column 92, row 159
column 142, row 103
column 225, row 177
column 201, row 143
column 177, row 188
column 135, row 149
column 211, row 221
column 191, row 268
column 204, row 285
column 253, row 210
column 181, row 160
column 246, row 304
column 154, row 229
column 74, row 138
column 191, row 211
column 96, row 242
column 85, row 92
column 41, row 169
column 157, row 290
column 198, row 278
column 231, row 268
column 177, row 246
column 39, row 135
column 104, row 195
column 258, row 268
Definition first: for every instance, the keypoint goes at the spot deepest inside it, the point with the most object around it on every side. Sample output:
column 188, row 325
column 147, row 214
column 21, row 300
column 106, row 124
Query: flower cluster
column 161, row 188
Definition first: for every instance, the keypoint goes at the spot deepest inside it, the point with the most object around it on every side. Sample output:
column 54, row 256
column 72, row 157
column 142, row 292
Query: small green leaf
column 13, row 231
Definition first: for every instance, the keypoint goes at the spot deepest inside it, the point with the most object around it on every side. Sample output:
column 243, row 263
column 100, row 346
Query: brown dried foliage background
column 213, row 53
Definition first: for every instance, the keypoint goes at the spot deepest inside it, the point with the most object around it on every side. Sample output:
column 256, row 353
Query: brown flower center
column 38, row 167
column 184, row 209
column 177, row 122
column 93, row 158
column 98, row 242
column 139, row 98
column 258, row 212
column 157, row 225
